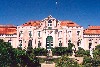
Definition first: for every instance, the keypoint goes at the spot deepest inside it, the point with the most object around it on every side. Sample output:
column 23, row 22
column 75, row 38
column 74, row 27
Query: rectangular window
column 21, row 34
column 78, row 33
column 38, row 33
column 90, row 44
column 69, row 31
column 20, row 43
column 60, row 44
column 60, row 34
column 39, row 43
column 70, row 34
column 30, row 34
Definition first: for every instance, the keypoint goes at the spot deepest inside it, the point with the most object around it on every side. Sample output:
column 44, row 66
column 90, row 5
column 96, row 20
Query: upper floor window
column 30, row 33
column 21, row 34
column 78, row 42
column 49, row 24
column 38, row 33
column 60, row 34
column 78, row 32
column 49, row 21
column 69, row 33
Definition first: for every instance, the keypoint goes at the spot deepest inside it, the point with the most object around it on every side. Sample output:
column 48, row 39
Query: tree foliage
column 81, row 52
column 95, row 61
column 5, row 56
column 64, row 61
column 14, row 57
column 40, row 52
column 59, row 51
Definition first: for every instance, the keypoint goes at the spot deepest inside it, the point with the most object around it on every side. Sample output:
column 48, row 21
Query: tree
column 59, row 50
column 81, row 52
column 39, row 51
column 14, row 57
column 96, row 56
column 95, row 61
column 64, row 61
column 63, row 50
column 69, row 50
column 5, row 56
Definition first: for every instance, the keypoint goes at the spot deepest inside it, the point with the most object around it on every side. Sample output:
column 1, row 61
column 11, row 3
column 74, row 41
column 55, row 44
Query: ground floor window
column 90, row 44
column 78, row 43
column 20, row 43
column 39, row 43
column 30, row 43
column 60, row 44
column 9, row 41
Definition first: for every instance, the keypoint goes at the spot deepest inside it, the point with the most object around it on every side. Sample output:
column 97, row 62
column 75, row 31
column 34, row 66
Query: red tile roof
column 92, row 30
column 32, row 23
column 69, row 24
column 94, row 27
column 8, row 29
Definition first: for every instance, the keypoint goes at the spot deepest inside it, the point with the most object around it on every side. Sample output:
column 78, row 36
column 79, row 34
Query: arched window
column 49, row 21
column 49, row 42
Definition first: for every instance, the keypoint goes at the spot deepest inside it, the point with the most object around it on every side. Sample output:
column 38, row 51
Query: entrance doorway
column 49, row 42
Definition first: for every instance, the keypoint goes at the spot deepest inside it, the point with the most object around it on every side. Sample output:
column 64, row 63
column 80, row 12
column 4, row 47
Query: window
column 30, row 43
column 60, row 44
column 49, row 21
column 30, row 34
column 49, row 24
column 60, row 34
column 78, row 43
column 39, row 43
column 38, row 33
column 69, row 33
column 78, row 33
column 90, row 44
column 21, row 34
column 69, row 42
column 9, row 41
column 20, row 43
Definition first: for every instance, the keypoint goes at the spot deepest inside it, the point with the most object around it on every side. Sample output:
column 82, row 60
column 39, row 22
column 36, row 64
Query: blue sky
column 17, row 12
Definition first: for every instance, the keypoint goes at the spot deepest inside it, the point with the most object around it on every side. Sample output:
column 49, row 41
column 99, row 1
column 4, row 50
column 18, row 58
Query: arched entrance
column 49, row 42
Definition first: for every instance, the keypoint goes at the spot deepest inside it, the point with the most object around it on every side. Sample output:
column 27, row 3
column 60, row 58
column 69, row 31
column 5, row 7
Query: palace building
column 49, row 33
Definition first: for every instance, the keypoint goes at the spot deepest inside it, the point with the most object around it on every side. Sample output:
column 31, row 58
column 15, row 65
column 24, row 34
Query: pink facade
column 49, row 33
